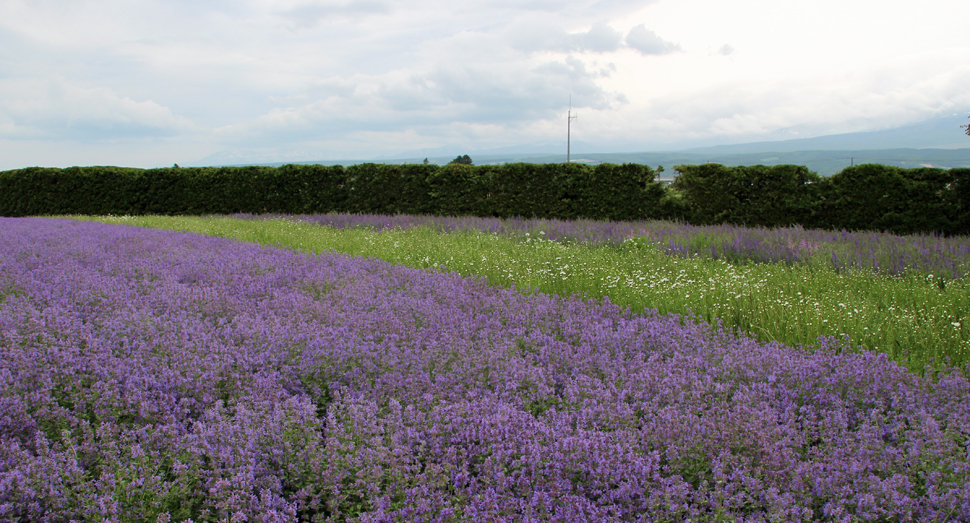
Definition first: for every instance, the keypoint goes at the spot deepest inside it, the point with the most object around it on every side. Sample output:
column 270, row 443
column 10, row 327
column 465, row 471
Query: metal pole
column 569, row 121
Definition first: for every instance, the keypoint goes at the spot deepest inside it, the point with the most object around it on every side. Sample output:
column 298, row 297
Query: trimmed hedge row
column 757, row 195
column 904, row 201
column 864, row 197
column 567, row 191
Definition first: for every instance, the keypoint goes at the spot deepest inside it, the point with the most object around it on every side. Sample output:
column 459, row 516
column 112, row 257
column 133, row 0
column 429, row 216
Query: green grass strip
column 911, row 319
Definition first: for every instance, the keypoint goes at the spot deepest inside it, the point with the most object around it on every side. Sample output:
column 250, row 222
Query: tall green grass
column 910, row 318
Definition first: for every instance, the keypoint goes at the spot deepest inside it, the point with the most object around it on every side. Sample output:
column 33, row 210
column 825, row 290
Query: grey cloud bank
column 153, row 83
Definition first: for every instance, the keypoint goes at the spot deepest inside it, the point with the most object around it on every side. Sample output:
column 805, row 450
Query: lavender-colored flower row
column 149, row 375
column 881, row 252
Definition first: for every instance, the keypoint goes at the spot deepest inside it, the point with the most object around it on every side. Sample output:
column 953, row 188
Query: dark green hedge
column 903, row 201
column 864, row 197
column 207, row 190
column 756, row 195
column 616, row 192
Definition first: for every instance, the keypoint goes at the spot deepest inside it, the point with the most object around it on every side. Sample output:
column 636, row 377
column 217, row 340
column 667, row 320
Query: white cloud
column 56, row 108
column 600, row 38
column 647, row 42
column 309, row 14
column 431, row 102
column 375, row 76
column 879, row 96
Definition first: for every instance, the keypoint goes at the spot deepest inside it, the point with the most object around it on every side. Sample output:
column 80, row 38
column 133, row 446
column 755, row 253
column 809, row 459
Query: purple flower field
column 150, row 375
column 880, row 252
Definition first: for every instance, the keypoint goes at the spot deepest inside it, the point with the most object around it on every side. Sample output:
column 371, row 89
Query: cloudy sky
column 150, row 83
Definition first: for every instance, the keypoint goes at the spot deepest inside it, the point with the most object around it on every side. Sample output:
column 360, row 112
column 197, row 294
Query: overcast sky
column 150, row 83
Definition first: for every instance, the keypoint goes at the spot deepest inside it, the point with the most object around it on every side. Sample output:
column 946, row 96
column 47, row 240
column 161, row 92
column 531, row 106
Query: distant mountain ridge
column 825, row 163
column 937, row 142
column 936, row 133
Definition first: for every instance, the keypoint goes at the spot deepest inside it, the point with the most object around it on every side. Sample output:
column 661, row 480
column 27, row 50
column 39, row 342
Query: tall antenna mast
column 569, row 121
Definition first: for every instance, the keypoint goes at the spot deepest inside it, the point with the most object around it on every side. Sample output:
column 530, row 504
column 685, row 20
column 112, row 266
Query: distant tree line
column 862, row 197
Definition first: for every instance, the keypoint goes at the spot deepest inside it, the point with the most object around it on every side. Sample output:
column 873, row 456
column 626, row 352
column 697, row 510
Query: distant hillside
column 939, row 142
column 825, row 163
column 936, row 133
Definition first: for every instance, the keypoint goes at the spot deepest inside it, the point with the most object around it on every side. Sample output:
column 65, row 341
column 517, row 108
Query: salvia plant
column 918, row 320
column 150, row 375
